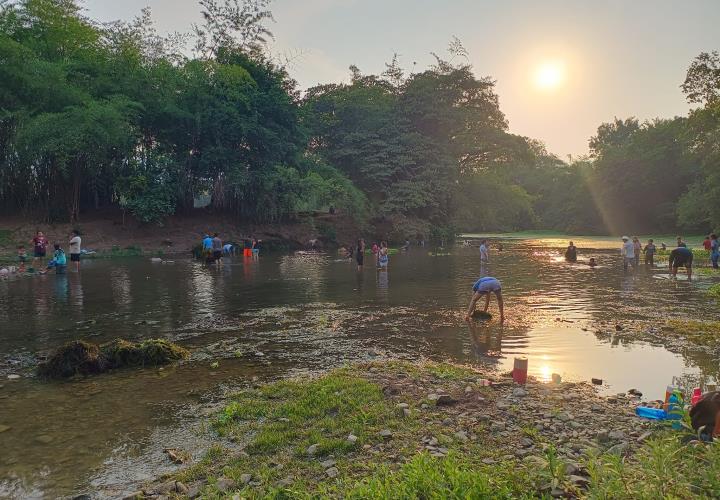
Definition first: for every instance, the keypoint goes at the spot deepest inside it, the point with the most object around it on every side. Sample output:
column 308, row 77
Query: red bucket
column 520, row 370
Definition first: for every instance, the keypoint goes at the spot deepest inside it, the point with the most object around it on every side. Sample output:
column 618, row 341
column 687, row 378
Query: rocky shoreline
column 441, row 410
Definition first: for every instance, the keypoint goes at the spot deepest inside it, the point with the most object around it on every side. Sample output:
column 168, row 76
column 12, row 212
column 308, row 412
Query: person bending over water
column 571, row 253
column 681, row 256
column 483, row 287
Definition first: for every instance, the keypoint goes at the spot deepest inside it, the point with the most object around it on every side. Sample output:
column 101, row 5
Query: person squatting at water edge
column 681, row 256
column 483, row 287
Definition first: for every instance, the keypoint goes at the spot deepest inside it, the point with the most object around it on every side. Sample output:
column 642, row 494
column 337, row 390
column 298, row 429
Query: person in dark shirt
column 571, row 253
column 681, row 256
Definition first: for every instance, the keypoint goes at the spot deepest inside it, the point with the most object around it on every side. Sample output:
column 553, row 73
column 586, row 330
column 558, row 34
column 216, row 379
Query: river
column 285, row 315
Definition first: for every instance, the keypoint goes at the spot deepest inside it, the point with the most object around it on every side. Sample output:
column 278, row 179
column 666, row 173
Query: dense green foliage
column 112, row 115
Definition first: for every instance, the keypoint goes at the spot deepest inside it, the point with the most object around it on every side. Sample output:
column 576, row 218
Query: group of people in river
column 213, row 248
column 40, row 245
column 380, row 252
column 680, row 256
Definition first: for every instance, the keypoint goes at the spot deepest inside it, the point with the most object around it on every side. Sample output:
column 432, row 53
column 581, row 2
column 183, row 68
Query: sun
column 549, row 75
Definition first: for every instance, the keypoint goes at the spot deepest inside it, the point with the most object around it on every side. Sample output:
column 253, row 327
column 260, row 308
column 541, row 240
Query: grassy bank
column 398, row 430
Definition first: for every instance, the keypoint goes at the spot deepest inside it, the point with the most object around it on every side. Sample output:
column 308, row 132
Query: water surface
column 286, row 314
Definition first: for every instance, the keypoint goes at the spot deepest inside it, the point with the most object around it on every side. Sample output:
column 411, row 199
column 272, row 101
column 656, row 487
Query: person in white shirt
column 75, row 242
column 484, row 257
column 628, row 253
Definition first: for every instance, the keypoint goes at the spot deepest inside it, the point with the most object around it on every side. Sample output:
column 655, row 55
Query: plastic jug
column 696, row 396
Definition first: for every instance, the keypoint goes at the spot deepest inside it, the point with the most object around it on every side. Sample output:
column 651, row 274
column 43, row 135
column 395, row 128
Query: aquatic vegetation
column 85, row 358
column 74, row 358
column 705, row 333
column 152, row 352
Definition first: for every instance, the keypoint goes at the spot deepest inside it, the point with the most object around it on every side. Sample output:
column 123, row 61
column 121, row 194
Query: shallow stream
column 283, row 315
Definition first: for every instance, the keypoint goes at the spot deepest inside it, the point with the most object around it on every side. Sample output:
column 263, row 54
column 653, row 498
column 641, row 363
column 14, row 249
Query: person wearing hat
column 628, row 253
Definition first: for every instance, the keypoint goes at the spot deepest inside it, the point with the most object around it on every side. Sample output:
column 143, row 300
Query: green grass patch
column 714, row 291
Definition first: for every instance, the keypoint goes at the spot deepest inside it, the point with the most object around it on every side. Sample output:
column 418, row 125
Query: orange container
column 247, row 252
column 520, row 370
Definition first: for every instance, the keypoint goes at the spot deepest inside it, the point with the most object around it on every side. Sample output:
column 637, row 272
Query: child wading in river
column 483, row 287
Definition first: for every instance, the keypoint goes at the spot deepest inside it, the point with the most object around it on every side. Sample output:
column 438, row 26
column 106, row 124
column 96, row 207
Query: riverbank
column 401, row 430
column 110, row 235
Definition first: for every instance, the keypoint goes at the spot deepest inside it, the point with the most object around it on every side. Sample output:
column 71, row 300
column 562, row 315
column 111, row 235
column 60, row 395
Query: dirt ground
column 103, row 230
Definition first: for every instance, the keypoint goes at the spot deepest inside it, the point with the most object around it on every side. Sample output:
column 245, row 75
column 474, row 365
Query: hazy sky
column 620, row 58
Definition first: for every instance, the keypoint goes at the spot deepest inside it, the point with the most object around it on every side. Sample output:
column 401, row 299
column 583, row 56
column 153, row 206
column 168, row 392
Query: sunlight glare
column 549, row 75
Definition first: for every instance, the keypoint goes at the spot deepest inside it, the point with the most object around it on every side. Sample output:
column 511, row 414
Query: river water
column 284, row 315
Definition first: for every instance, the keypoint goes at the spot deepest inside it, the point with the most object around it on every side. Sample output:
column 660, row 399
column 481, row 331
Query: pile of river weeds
column 85, row 358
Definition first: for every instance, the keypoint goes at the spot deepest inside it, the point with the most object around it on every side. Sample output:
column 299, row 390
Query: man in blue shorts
column 681, row 256
column 483, row 287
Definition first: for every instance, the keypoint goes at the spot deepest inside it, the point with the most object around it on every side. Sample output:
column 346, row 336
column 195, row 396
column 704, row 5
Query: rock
column 597, row 408
column 181, row 488
column 194, row 491
column 468, row 389
column 619, row 328
column 522, row 452
column 445, row 400
column 245, row 478
column 557, row 492
column 602, row 437
column 571, row 469
column 433, row 397
column 385, row 434
column 406, row 412
column 332, row 472
column 596, row 381
column 618, row 449
column 44, row 439
column 391, row 390
column 635, row 392
column 4, row 428
column 488, row 461
column 433, row 441
column 312, row 449
column 526, row 442
column 402, row 406
column 13, row 376
column 462, row 436
column 502, row 404
column 579, row 480
column 448, row 421
column 135, row 495
column 174, row 455
column 225, row 483
column 644, row 436
column 282, row 483
column 564, row 417
column 616, row 435
column 497, row 426
column 328, row 463
column 352, row 438
column 519, row 392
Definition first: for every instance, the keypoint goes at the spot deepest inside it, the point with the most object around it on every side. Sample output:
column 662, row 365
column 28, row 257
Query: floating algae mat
column 85, row 358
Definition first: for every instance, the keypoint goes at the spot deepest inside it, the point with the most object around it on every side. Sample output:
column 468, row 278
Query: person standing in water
column 637, row 248
column 75, row 244
column 649, row 251
column 484, row 255
column 483, row 288
column 360, row 254
column 39, row 243
column 714, row 250
column 680, row 242
column 571, row 253
column 628, row 253
column 383, row 258
column 217, row 249
column 681, row 256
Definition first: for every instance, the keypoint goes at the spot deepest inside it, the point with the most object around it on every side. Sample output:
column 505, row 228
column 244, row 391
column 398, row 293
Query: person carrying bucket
column 483, row 287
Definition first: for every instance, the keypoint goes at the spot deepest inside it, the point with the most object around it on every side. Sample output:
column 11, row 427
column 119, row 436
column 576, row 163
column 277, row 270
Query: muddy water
column 283, row 315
